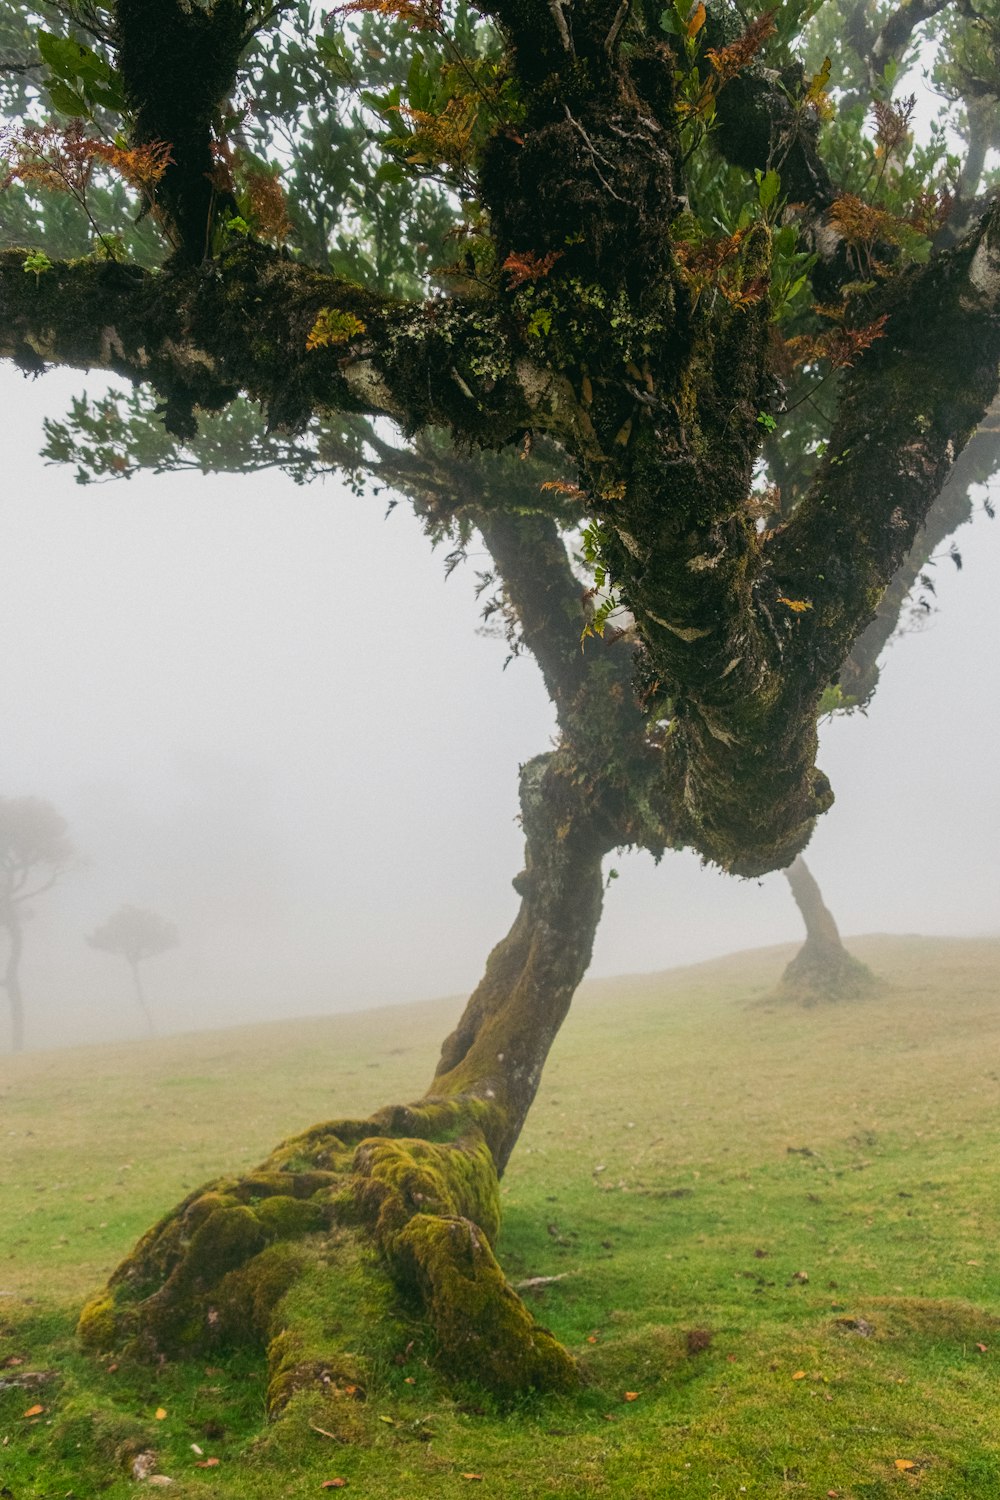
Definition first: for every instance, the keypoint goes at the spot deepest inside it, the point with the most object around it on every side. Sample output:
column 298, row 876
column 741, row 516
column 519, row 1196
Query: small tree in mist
column 136, row 934
column 34, row 852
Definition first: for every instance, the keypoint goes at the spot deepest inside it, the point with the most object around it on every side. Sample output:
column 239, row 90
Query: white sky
column 266, row 715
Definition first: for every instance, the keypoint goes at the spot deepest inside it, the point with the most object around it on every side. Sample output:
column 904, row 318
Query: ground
column 775, row 1228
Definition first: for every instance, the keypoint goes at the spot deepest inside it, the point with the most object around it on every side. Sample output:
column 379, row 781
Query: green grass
column 811, row 1193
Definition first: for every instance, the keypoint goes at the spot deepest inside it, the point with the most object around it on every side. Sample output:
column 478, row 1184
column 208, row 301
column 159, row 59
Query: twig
column 335, row 1437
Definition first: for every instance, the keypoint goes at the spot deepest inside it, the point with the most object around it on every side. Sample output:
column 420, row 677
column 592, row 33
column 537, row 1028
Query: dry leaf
column 631, row 1396
column 409, row 1380
column 591, row 1338
column 799, row 1375
column 333, row 1484
column 982, row 1348
column 207, row 1463
column 159, row 1479
column 34, row 1411
column 696, row 21
column 161, row 1412
column 905, row 1463
column 472, row 1476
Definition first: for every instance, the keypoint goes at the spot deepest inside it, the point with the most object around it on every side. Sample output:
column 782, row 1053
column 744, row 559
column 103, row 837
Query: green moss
column 226, row 1238
column 483, row 1329
column 401, row 1178
column 244, row 1300
column 97, row 1327
column 287, row 1218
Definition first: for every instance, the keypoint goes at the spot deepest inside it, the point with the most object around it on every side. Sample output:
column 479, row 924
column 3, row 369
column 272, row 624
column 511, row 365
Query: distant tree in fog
column 135, row 934
column 34, row 853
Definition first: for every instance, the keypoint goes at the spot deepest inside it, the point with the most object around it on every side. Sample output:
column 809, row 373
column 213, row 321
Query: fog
column 266, row 715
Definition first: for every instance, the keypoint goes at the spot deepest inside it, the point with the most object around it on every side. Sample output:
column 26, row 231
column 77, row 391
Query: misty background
column 266, row 715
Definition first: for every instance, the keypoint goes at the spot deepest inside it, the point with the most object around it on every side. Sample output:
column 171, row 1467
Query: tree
column 665, row 256
column 136, row 934
column 823, row 969
column 34, row 853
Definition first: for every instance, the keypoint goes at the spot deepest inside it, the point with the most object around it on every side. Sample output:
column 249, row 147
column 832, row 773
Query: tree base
column 824, row 975
column 320, row 1252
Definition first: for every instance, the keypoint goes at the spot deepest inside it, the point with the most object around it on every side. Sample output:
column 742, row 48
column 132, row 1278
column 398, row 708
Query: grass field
column 776, row 1228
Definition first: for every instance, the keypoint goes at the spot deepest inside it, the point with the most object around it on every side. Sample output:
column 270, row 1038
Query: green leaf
column 768, row 188
column 66, row 100
column 63, row 55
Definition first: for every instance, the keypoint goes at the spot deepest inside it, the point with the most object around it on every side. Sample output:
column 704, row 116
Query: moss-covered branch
column 244, row 323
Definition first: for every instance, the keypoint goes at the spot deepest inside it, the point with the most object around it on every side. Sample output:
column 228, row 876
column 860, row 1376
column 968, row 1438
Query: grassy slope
column 696, row 1152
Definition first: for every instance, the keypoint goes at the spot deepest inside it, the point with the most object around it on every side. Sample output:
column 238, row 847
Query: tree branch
column 199, row 337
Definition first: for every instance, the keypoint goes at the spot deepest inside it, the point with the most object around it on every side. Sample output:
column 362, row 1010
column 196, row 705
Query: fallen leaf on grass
column 160, row 1413
column 904, row 1463
column 591, row 1338
column 982, row 1348
column 799, row 1375
column 34, row 1411
column 472, row 1476
column 11, row 1361
column 631, row 1396
column 207, row 1463
column 333, row 1484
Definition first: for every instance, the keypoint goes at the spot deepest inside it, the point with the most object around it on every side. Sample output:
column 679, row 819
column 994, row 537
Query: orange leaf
column 905, row 1463
column 697, row 19
column 631, row 1396
column 591, row 1338
column 472, row 1476
column 34, row 1411
column 161, row 1412
column 333, row 1484
column 207, row 1463
column 799, row 1375
column 982, row 1348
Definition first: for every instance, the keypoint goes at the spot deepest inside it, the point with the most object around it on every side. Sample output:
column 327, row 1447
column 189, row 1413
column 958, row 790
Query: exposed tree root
column 347, row 1208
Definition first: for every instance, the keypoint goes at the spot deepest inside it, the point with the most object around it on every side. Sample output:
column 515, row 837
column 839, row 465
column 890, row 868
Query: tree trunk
column 12, row 983
column 822, row 969
column 141, row 997
column 402, row 1207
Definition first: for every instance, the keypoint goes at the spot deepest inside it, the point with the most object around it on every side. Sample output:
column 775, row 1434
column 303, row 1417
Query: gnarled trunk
column 407, row 1198
column 12, row 982
column 822, row 969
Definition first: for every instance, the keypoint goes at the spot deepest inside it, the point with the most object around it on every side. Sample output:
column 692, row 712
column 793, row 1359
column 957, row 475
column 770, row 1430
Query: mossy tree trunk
column 411, row 1192
column 408, row 1198
column 822, row 969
